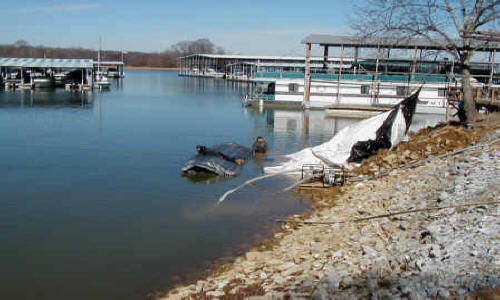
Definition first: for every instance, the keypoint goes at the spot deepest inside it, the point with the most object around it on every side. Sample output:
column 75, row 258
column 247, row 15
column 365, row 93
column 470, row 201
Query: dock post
column 356, row 54
column 414, row 66
column 325, row 59
column 307, row 77
column 340, row 73
column 490, row 81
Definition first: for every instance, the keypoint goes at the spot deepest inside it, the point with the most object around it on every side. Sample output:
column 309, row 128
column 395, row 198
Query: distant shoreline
column 151, row 68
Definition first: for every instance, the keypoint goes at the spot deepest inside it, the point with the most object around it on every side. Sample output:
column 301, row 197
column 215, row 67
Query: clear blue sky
column 249, row 27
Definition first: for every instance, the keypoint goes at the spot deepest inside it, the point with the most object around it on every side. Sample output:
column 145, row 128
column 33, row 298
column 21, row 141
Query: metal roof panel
column 74, row 63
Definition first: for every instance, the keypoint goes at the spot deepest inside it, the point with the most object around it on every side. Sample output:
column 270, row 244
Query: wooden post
column 414, row 67
column 373, row 91
column 305, row 133
column 307, row 76
column 340, row 72
column 356, row 53
column 377, row 64
column 325, row 58
column 492, row 67
column 387, row 61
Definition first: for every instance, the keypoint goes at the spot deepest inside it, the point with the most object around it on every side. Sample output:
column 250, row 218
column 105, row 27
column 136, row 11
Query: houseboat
column 351, row 94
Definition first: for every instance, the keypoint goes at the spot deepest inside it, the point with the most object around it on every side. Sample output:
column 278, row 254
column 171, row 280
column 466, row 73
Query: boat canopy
column 46, row 63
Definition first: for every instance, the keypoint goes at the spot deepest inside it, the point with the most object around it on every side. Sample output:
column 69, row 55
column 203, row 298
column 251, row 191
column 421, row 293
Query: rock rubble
column 432, row 253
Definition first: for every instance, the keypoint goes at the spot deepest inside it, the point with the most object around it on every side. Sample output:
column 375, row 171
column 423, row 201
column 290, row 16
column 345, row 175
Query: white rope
column 228, row 193
column 296, row 184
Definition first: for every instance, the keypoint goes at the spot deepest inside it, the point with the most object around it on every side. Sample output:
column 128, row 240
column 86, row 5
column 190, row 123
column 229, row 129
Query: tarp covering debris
column 219, row 159
column 356, row 142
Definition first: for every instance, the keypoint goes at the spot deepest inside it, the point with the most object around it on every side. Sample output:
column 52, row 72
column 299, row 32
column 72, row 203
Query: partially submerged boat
column 221, row 159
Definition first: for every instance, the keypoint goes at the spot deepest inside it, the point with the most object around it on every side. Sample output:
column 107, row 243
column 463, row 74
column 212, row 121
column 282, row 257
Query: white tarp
column 337, row 150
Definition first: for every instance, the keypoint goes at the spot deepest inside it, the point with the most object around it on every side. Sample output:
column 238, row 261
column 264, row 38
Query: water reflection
column 46, row 98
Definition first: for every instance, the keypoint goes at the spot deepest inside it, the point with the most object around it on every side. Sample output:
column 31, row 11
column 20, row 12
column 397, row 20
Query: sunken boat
column 223, row 159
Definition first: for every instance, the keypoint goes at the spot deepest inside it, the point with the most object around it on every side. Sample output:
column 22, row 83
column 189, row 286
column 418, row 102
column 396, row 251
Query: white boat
column 39, row 80
column 113, row 73
column 13, row 75
column 101, row 82
column 60, row 78
column 209, row 72
column 42, row 82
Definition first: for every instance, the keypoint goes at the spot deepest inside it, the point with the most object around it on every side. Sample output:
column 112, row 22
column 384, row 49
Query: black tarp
column 218, row 159
column 365, row 149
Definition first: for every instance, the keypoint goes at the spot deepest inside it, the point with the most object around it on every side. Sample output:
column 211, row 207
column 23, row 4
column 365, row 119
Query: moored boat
column 353, row 95
column 39, row 80
column 101, row 82
column 60, row 78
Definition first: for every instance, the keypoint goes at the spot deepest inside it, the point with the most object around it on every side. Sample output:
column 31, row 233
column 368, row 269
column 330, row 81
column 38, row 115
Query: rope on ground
column 387, row 215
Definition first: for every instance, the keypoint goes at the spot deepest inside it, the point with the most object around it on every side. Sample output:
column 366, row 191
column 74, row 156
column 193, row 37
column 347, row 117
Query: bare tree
column 199, row 46
column 441, row 22
column 21, row 43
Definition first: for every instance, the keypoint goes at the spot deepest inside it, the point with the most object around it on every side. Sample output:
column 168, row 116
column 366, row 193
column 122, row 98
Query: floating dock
column 355, row 111
column 245, row 68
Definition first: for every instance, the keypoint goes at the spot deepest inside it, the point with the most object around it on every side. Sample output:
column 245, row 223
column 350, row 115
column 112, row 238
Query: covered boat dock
column 112, row 69
column 384, row 46
column 25, row 73
column 244, row 67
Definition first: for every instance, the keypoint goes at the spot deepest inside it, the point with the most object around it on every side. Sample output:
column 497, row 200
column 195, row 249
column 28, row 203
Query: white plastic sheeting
column 337, row 150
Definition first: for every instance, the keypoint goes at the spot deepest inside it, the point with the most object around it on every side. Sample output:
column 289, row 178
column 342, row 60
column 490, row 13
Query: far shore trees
column 443, row 22
column 166, row 59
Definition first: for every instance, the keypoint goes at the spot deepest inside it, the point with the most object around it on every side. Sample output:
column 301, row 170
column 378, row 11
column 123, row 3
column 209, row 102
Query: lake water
column 93, row 205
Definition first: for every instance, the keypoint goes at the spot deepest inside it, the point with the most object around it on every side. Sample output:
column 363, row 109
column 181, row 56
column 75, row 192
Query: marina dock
column 352, row 83
column 71, row 74
column 248, row 68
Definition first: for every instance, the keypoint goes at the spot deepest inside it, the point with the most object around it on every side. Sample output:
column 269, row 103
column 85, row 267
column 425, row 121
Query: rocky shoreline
column 383, row 238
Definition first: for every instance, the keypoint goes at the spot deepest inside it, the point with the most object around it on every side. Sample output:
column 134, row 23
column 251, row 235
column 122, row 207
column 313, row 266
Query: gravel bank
column 426, row 254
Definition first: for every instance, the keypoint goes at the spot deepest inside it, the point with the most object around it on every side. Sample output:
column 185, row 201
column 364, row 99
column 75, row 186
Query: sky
column 273, row 27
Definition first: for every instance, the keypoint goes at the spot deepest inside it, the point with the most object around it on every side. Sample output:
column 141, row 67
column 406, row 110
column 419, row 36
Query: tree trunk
column 469, row 103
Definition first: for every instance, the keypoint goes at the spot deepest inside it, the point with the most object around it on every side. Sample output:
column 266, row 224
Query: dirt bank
column 423, row 232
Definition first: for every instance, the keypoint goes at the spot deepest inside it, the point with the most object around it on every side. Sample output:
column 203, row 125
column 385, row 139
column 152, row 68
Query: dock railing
column 487, row 96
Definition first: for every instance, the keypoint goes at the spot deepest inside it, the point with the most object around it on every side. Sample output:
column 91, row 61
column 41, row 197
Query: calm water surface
column 93, row 203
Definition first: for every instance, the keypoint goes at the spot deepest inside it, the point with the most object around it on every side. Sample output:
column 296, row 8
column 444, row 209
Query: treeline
column 164, row 59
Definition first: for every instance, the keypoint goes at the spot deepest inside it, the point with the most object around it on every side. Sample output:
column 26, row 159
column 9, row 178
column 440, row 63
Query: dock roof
column 46, row 63
column 257, row 57
column 110, row 63
column 387, row 42
column 347, row 64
